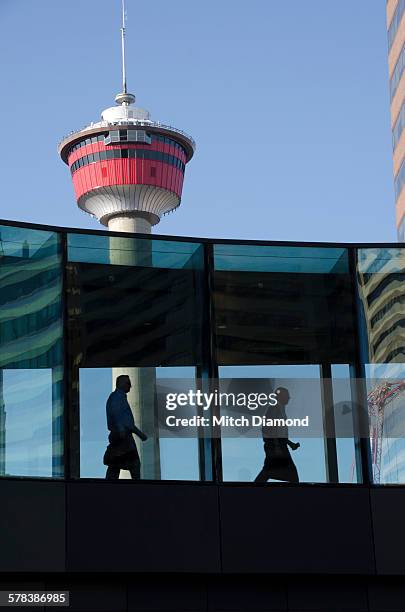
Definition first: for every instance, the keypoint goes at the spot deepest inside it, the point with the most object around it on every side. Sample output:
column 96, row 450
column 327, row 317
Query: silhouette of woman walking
column 278, row 464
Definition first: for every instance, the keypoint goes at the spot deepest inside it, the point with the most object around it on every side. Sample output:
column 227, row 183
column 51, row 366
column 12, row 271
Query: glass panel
column 178, row 455
column 287, row 313
column 283, row 305
column 242, row 457
column 401, row 231
column 381, row 276
column 345, row 446
column 136, row 309
column 398, row 126
column 396, row 20
column 397, row 73
column 31, row 389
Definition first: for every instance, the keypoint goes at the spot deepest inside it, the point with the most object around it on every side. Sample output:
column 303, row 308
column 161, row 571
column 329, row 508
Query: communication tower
column 127, row 170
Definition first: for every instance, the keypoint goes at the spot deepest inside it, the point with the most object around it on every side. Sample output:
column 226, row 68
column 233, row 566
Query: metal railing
column 141, row 123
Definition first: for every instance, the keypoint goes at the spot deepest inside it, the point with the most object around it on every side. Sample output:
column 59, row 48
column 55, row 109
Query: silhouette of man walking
column 121, row 453
column 278, row 464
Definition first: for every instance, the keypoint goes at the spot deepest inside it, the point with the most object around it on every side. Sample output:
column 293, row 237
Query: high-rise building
column 396, row 66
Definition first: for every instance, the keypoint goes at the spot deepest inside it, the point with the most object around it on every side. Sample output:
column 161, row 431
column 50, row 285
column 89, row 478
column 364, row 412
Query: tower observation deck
column 127, row 170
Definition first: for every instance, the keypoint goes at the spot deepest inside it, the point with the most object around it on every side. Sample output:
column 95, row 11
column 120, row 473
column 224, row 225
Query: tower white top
column 126, row 113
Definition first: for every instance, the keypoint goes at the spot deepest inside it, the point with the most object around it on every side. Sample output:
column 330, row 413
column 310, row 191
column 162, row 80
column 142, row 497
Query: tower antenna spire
column 124, row 97
column 124, row 76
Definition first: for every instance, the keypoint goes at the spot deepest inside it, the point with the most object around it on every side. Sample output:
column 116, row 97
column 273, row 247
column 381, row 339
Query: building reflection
column 381, row 275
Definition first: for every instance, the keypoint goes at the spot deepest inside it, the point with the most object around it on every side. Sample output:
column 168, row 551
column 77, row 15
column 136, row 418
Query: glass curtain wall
column 31, row 353
column 210, row 315
column 287, row 315
column 135, row 307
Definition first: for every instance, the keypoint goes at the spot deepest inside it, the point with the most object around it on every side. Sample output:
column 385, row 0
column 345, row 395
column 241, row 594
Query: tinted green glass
column 286, row 311
column 381, row 282
column 283, row 305
column 136, row 307
column 31, row 364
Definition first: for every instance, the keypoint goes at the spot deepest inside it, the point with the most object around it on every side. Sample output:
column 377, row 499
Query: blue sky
column 288, row 102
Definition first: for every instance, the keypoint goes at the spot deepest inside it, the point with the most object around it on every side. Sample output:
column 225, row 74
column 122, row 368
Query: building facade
column 396, row 64
column 192, row 310
column 208, row 313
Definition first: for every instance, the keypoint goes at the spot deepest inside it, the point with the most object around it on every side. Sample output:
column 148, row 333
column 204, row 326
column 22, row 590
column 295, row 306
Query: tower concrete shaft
column 133, row 224
column 141, row 398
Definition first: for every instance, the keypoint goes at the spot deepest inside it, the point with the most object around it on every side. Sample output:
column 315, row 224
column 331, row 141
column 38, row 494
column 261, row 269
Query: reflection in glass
column 381, row 276
column 142, row 306
column 283, row 305
column 31, row 373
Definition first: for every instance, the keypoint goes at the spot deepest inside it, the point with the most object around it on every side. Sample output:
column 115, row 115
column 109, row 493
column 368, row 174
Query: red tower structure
column 127, row 170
